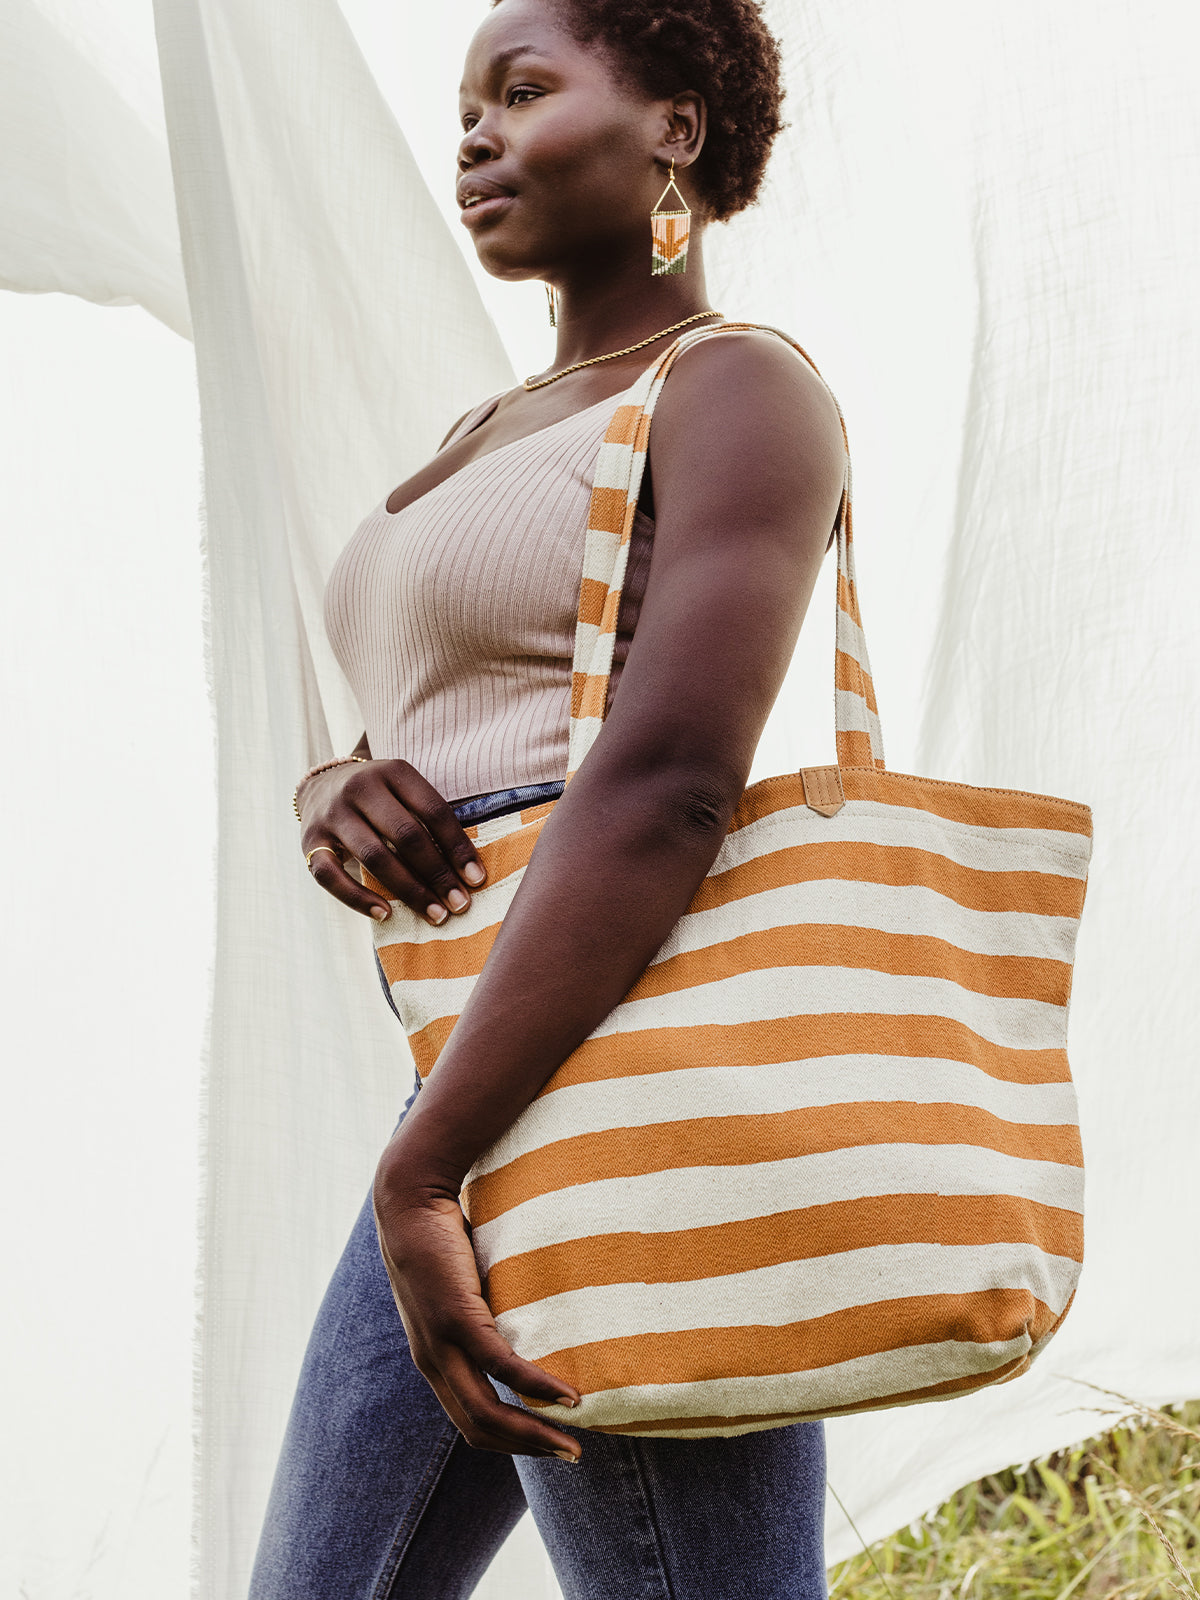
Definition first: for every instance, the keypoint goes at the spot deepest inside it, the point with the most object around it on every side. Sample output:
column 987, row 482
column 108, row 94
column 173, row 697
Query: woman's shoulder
column 746, row 352
column 748, row 381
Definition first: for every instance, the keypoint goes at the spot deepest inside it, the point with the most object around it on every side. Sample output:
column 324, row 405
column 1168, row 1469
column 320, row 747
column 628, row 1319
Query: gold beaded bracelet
column 312, row 772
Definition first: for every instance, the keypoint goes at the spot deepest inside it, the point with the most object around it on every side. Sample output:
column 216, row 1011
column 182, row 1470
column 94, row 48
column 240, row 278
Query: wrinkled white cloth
column 982, row 222
column 86, row 204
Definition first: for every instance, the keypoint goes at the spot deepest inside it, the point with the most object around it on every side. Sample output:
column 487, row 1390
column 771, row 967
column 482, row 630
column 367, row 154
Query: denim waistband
column 479, row 807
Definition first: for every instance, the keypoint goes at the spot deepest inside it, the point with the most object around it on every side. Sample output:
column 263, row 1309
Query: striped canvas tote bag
column 824, row 1156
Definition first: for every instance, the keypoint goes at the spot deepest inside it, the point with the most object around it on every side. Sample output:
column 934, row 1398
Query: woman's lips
column 479, row 210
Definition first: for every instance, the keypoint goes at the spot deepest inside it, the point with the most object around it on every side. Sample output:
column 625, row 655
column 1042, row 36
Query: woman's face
column 557, row 163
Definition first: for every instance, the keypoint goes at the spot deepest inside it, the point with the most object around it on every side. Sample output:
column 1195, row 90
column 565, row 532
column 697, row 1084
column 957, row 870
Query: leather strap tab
column 823, row 790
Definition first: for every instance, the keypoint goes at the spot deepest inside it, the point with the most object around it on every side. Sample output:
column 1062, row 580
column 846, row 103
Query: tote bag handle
column 619, row 468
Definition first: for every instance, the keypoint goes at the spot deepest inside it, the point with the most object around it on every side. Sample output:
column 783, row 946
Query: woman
column 452, row 610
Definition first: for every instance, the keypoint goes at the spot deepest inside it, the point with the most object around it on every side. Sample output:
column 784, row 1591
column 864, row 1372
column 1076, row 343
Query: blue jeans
column 377, row 1496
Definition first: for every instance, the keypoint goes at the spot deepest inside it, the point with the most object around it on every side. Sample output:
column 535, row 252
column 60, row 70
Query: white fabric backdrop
column 983, row 226
column 107, row 815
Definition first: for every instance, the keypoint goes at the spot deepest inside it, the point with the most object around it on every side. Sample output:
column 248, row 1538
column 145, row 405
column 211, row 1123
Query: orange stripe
column 959, row 802
column 1038, row 893
column 815, row 944
column 933, row 1391
column 849, row 675
column 592, row 595
column 801, row 945
column 595, row 692
column 607, row 510
column 835, row 1034
column 461, row 957
column 686, row 1255
column 847, row 598
column 428, row 1043
column 748, row 1140
column 576, row 693
column 578, row 683
column 622, row 428
column 854, row 750
column 752, row 1043
column 608, row 621
column 759, row 1043
column 703, row 1354
column 767, row 797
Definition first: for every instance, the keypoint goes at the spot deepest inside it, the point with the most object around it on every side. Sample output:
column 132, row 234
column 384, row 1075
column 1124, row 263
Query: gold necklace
column 540, row 383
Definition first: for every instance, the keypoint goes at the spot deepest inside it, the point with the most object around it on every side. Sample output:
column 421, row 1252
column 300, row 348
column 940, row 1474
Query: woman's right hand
column 385, row 815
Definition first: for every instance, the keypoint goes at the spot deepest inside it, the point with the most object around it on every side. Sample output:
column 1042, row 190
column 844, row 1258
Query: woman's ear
column 686, row 123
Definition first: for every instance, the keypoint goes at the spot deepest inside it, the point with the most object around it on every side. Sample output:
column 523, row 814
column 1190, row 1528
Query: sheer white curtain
column 982, row 224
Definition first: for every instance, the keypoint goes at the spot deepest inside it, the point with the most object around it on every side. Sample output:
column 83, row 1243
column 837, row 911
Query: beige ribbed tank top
column 454, row 617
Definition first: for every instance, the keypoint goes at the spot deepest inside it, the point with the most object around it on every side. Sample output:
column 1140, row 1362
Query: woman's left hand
column 451, row 1332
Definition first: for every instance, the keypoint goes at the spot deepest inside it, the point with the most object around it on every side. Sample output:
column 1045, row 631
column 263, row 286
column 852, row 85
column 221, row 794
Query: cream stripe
column 487, row 909
column 677, row 1096
column 600, row 551
column 793, row 1291
column 491, row 828
column 612, row 466
column 699, row 1197
column 906, row 909
column 851, row 640
column 842, row 1383
column 905, row 827
column 1074, row 845
column 855, row 715
column 602, row 655
column 583, row 731
column 816, row 991
column 589, row 632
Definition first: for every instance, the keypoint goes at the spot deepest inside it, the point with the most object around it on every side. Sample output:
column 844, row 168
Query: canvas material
column 824, row 1157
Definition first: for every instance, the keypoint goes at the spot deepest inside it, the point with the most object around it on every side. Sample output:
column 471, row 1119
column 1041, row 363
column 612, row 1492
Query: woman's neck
column 600, row 314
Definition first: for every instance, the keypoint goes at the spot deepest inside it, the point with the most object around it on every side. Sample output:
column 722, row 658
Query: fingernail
column 474, row 873
column 565, row 1400
column 565, row 1455
column 457, row 900
column 379, row 912
column 437, row 914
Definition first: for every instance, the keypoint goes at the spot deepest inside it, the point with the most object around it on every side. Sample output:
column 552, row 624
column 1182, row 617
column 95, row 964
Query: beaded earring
column 552, row 302
column 670, row 232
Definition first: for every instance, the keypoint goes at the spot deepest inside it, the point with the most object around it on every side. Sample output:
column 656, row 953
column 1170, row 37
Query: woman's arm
column 748, row 463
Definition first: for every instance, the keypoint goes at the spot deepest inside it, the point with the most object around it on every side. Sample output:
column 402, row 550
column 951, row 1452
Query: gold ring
column 315, row 848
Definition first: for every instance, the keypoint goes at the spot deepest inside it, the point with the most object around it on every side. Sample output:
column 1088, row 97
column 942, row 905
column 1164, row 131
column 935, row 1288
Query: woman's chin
column 505, row 259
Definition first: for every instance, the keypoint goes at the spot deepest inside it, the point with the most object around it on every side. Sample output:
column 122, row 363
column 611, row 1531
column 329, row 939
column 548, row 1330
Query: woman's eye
column 515, row 96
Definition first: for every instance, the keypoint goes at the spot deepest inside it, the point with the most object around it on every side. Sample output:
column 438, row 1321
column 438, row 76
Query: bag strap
column 619, row 468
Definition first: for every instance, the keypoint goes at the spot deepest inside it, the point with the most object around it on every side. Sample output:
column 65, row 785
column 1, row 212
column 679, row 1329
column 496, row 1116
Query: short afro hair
column 721, row 49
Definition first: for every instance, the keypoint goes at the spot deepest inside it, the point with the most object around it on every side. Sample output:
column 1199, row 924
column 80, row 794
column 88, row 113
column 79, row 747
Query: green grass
column 1114, row 1518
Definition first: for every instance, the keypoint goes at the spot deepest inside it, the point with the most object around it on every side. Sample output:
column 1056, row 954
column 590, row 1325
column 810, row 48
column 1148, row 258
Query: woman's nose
column 479, row 143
